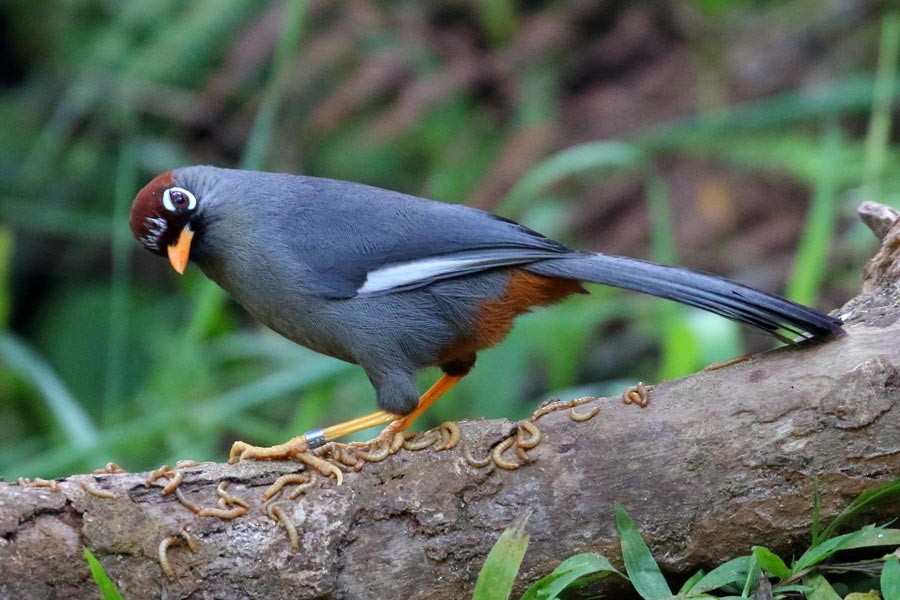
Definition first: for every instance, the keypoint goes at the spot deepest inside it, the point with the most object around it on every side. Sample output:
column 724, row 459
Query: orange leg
column 312, row 439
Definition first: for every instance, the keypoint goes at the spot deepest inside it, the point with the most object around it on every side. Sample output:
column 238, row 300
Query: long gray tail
column 702, row 290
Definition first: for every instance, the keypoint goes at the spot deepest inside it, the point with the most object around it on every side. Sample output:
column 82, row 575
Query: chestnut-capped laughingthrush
column 395, row 283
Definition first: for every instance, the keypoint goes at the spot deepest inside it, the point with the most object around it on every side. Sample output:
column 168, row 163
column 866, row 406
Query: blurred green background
column 734, row 137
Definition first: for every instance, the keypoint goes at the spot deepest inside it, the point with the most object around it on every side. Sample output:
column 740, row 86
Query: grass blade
column 890, row 579
column 264, row 125
column 71, row 418
column 878, row 137
column 568, row 571
column 497, row 576
column 6, row 249
column 809, row 267
column 869, row 498
column 693, row 580
column 816, row 529
column 120, row 288
column 107, row 588
column 642, row 569
column 568, row 162
column 680, row 350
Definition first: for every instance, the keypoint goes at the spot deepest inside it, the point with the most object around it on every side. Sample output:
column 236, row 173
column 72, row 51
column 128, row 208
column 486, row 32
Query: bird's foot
column 390, row 441
column 296, row 448
column 291, row 449
column 320, row 465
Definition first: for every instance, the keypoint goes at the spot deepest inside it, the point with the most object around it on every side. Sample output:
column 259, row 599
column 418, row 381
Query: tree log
column 719, row 461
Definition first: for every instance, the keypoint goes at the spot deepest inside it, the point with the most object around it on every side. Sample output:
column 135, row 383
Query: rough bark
column 719, row 461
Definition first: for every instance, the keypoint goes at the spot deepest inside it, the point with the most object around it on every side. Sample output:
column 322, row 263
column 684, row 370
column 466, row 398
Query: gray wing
column 364, row 241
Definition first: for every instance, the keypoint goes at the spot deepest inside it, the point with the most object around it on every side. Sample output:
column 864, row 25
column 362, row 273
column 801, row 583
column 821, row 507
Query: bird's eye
column 178, row 199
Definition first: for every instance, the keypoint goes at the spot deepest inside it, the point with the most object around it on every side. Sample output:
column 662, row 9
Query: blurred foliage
column 700, row 132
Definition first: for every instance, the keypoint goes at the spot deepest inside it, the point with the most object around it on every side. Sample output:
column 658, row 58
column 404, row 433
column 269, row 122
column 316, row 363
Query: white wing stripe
column 403, row 274
column 408, row 274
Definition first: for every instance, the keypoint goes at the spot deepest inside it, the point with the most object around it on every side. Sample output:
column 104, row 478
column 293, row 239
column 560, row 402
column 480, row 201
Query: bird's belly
column 307, row 326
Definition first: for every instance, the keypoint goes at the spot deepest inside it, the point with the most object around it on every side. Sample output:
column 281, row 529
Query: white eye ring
column 167, row 199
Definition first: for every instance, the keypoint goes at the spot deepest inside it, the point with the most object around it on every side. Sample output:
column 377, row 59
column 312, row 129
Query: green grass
column 814, row 575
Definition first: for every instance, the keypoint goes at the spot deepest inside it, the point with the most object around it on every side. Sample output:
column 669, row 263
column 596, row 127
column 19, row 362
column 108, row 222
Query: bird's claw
column 326, row 468
column 291, row 449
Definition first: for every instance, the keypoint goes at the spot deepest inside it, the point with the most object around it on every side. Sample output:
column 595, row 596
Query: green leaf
column 868, row 499
column 568, row 571
column 890, row 579
column 497, row 576
column 642, row 570
column 107, row 587
column 771, row 563
column 733, row 572
column 863, row 596
column 821, row 589
column 864, row 538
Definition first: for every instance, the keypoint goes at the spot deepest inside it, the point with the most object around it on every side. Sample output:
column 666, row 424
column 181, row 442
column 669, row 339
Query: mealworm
column 289, row 526
column 110, row 467
column 549, row 408
column 163, row 555
column 522, row 455
column 37, row 482
column 497, row 454
column 94, row 491
column 156, row 474
column 185, row 464
column 728, row 363
column 232, row 513
column 192, row 541
column 283, row 481
column 637, row 394
column 173, row 484
column 450, row 435
column 479, row 464
column 227, row 498
column 534, row 435
column 185, row 502
column 301, row 488
column 376, row 453
column 580, row 418
column 420, row 441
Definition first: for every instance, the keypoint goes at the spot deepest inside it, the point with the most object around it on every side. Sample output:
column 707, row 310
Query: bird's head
column 165, row 216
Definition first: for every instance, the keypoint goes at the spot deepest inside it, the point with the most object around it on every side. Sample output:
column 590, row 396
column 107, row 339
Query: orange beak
column 180, row 251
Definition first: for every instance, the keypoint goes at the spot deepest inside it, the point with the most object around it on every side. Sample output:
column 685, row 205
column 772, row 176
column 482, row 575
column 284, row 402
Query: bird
column 394, row 282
